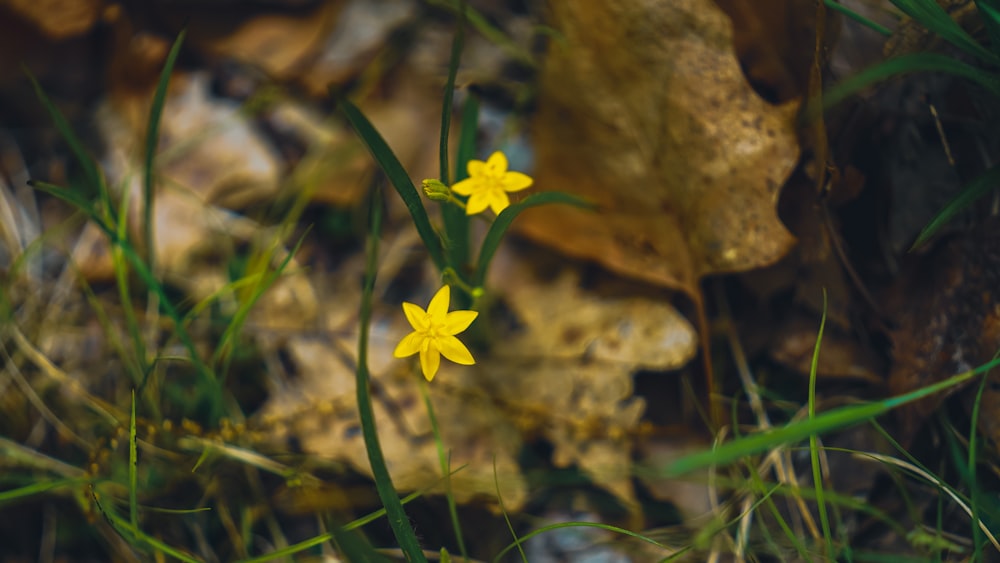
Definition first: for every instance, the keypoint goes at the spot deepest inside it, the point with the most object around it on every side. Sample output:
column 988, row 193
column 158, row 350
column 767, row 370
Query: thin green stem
column 396, row 516
column 445, row 460
column 817, row 473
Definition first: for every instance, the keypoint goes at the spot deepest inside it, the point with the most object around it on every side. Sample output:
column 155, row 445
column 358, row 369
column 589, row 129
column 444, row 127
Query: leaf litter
column 642, row 108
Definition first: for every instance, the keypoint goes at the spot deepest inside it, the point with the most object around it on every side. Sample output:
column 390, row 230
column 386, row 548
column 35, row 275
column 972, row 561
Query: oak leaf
column 644, row 110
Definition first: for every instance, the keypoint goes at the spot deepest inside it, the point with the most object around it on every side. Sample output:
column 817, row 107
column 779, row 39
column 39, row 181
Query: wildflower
column 488, row 184
column 434, row 333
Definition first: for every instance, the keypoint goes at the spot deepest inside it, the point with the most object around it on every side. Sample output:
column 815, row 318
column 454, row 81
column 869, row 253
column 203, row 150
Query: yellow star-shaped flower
column 488, row 184
column 434, row 333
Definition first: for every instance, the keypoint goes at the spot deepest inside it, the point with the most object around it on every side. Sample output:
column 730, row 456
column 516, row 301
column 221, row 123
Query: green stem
column 396, row 516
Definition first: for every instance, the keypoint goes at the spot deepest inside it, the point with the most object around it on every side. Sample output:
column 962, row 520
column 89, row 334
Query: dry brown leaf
column 645, row 111
column 840, row 355
column 279, row 43
column 58, row 19
column 947, row 321
column 563, row 373
column 774, row 42
column 562, row 320
column 319, row 407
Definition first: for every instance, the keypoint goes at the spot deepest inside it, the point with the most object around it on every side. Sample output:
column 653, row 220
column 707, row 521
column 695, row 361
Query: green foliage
column 398, row 520
column 933, row 17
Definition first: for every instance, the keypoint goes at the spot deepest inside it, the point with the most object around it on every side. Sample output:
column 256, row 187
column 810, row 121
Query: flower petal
column 478, row 202
column 498, row 201
column 430, row 361
column 516, row 181
column 416, row 315
column 496, row 164
column 453, row 349
column 409, row 345
column 457, row 321
column 475, row 168
column 438, row 308
column 467, row 186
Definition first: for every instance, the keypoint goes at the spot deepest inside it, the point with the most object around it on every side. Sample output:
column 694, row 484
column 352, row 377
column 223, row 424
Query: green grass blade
column 134, row 535
column 71, row 197
column 467, row 138
column 147, row 277
column 449, row 92
column 826, row 422
column 990, row 16
column 817, row 472
column 133, row 458
column 152, row 141
column 495, row 35
column 136, row 361
column 559, row 525
column 976, row 189
column 506, row 519
column 398, row 177
column 838, row 7
column 504, row 220
column 13, row 495
column 444, row 461
column 94, row 179
column 227, row 341
column 398, row 520
column 456, row 222
column 290, row 550
column 932, row 16
column 916, row 62
column 353, row 547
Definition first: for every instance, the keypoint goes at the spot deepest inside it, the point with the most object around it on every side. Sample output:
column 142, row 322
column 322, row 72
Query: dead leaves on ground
column 644, row 110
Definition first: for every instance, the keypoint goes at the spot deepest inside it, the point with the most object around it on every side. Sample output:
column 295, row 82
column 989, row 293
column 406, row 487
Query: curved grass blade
column 396, row 516
column 398, row 177
column 975, row 190
column 559, row 525
column 817, row 474
column 491, row 32
column 935, row 18
column 152, row 141
column 449, row 91
column 147, row 277
column 506, row 518
column 223, row 353
column 838, row 7
column 456, row 222
column 826, row 422
column 916, row 62
column 444, row 460
column 13, row 495
column 94, row 179
column 991, row 20
column 133, row 460
column 506, row 217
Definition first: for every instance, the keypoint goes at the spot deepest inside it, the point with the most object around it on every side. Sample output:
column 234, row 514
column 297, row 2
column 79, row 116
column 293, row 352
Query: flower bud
column 436, row 190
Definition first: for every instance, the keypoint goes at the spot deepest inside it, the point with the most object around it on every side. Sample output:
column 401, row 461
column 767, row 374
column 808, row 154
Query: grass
column 761, row 507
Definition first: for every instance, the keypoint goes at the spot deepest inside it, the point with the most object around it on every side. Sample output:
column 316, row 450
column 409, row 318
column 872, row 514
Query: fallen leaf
column 645, row 111
column 58, row 19
column 840, row 356
column 774, row 43
column 280, row 43
column 947, row 322
column 562, row 372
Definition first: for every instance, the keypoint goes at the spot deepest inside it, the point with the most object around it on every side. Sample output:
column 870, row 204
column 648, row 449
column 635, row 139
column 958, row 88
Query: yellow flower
column 434, row 333
column 488, row 184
